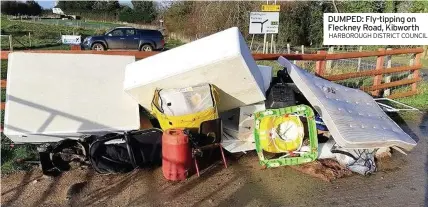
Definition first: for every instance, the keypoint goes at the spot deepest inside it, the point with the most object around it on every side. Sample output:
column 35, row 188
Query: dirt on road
column 403, row 182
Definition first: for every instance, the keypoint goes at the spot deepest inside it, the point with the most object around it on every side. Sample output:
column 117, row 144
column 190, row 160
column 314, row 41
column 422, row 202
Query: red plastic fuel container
column 176, row 155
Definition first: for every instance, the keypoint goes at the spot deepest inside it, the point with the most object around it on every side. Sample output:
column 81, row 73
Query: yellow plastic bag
column 281, row 134
column 190, row 121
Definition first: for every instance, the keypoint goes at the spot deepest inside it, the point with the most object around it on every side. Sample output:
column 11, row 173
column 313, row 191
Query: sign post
column 251, row 45
column 264, row 44
column 265, row 22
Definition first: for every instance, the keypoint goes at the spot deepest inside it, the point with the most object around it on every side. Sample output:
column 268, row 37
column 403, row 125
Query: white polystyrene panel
column 222, row 59
column 236, row 146
column 54, row 96
column 353, row 118
column 266, row 72
column 238, row 127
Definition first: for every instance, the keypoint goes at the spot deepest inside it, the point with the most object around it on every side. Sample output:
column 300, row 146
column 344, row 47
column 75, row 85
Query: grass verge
column 419, row 101
column 41, row 35
column 13, row 158
column 171, row 43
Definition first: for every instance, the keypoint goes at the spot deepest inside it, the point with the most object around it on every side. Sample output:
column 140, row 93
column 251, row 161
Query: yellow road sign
column 270, row 8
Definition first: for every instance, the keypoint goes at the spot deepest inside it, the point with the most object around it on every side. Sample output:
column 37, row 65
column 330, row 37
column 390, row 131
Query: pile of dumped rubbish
column 204, row 98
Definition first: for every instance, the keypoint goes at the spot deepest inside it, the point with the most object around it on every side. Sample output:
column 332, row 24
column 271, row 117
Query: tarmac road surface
column 244, row 183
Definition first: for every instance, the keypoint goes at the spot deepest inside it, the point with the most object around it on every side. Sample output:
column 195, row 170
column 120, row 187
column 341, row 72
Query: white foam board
column 266, row 72
column 353, row 117
column 50, row 97
column 239, row 122
column 237, row 146
column 222, row 59
column 238, row 127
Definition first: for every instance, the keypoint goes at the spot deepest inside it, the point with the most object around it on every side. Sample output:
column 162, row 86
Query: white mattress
column 222, row 59
column 353, row 118
column 50, row 97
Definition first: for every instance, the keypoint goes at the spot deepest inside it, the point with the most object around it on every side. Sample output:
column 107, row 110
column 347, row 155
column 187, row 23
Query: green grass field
column 42, row 36
column 419, row 101
column 81, row 23
column 424, row 62
column 46, row 34
column 171, row 43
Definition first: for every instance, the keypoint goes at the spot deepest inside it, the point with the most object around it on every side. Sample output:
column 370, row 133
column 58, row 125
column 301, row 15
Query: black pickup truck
column 127, row 38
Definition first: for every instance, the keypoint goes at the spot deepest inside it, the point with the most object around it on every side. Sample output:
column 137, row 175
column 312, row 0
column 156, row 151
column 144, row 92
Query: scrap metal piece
column 391, row 108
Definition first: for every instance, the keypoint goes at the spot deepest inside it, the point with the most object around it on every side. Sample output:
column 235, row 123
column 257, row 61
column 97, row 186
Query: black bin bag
column 124, row 152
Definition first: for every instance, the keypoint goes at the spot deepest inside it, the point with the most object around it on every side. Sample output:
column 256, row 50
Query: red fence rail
column 312, row 57
column 320, row 59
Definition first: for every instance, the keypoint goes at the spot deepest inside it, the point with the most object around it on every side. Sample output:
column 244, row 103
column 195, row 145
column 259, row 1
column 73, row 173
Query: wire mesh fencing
column 5, row 42
column 79, row 23
column 29, row 41
column 353, row 66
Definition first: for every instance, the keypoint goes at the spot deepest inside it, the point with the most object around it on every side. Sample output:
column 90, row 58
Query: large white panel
column 222, row 59
column 353, row 118
column 55, row 96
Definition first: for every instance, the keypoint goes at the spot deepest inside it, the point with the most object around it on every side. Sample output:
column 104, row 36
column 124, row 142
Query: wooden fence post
column 271, row 44
column 10, row 43
column 329, row 62
column 359, row 59
column 303, row 49
column 416, row 72
column 378, row 78
column 251, row 45
column 295, row 61
column 425, row 54
column 264, row 43
column 387, row 92
column 320, row 65
column 274, row 47
column 266, row 51
column 411, row 62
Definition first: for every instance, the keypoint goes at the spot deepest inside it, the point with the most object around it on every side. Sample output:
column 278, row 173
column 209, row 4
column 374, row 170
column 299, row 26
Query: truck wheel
column 98, row 47
column 146, row 48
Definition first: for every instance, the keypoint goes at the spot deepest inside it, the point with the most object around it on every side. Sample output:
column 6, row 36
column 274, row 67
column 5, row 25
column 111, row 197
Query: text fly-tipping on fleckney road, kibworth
column 375, row 29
